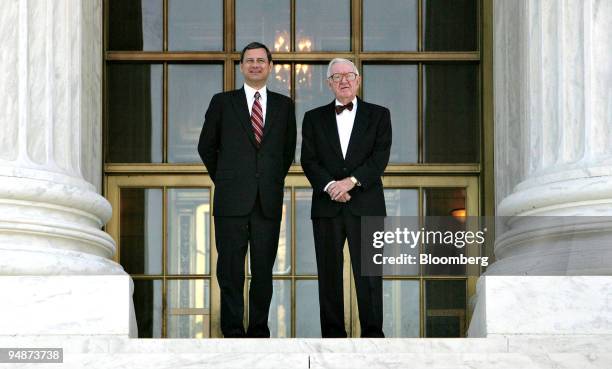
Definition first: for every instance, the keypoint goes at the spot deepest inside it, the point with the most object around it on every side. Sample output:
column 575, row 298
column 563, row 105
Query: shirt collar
column 250, row 91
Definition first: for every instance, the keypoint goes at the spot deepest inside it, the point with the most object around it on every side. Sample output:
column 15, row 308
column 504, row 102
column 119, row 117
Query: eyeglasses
column 337, row 77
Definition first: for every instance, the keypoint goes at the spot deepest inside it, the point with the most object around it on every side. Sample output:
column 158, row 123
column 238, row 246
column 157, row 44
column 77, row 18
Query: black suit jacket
column 238, row 168
column 366, row 158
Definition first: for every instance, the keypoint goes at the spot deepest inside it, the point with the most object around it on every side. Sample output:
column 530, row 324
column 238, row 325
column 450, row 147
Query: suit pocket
column 224, row 174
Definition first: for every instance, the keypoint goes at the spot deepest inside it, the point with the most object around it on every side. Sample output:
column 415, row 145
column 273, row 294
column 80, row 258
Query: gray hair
column 340, row 60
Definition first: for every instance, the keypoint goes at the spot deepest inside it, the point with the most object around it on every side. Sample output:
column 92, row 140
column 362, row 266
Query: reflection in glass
column 323, row 25
column 445, row 308
column 148, row 307
column 404, row 203
column 311, row 91
column 135, row 25
column 452, row 115
column 390, row 25
column 441, row 201
column 307, row 317
column 134, row 97
column 396, row 87
column 190, row 89
column 279, row 319
column 305, row 258
column 188, row 231
column 282, row 265
column 188, row 308
column 279, row 80
column 265, row 21
column 140, row 250
column 188, row 326
column 449, row 25
column 188, row 294
column 438, row 204
column 401, row 308
column 195, row 25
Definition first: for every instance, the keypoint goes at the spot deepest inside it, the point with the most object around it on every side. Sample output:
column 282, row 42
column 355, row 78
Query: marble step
column 156, row 360
column 500, row 352
column 497, row 344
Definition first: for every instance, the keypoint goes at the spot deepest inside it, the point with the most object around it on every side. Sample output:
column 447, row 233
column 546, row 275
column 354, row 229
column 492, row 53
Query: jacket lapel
column 359, row 127
column 331, row 128
column 242, row 110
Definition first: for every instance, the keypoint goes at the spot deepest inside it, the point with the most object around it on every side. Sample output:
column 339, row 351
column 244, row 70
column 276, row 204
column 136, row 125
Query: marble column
column 553, row 134
column 553, row 158
column 51, row 210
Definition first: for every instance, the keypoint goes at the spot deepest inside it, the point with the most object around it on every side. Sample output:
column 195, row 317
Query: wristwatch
column 355, row 181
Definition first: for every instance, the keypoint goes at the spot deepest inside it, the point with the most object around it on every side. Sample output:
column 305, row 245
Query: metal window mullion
column 165, row 113
column 420, row 114
column 229, row 25
column 293, row 291
column 215, row 293
column 165, row 26
column 356, row 26
column 421, row 268
column 292, row 25
column 164, row 261
column 420, row 24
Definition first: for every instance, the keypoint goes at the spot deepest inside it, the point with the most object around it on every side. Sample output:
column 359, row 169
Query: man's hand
column 345, row 197
column 339, row 189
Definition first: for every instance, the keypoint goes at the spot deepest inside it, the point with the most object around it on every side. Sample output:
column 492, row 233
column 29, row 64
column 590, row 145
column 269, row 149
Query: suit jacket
column 238, row 168
column 366, row 158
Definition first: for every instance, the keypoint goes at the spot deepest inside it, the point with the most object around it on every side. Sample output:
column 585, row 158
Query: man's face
column 344, row 90
column 255, row 67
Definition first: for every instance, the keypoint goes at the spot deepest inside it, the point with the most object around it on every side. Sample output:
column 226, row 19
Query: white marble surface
column 65, row 305
column 311, row 345
column 332, row 360
column 51, row 77
column 553, row 245
column 51, row 211
column 535, row 344
column 552, row 78
column 494, row 352
column 553, row 138
column 543, row 305
column 9, row 114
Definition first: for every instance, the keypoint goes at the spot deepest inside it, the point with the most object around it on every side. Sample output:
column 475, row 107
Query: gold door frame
column 114, row 184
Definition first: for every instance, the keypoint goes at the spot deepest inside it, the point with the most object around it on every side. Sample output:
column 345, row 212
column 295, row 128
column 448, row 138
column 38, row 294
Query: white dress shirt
column 344, row 123
column 250, row 95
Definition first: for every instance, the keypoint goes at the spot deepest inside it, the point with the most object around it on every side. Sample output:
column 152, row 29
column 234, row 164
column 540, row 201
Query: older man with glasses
column 345, row 149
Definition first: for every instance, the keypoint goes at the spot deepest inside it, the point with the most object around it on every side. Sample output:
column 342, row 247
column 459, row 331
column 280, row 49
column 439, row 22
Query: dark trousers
column 233, row 236
column 329, row 237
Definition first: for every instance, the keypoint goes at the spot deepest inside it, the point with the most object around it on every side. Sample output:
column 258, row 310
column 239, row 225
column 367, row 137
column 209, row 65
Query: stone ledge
column 531, row 352
column 332, row 360
column 65, row 305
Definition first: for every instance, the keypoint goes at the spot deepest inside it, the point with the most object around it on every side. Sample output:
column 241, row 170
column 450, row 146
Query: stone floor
column 529, row 352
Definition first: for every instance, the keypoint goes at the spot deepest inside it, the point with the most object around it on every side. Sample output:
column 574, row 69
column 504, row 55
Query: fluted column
column 553, row 135
column 553, row 172
column 51, row 212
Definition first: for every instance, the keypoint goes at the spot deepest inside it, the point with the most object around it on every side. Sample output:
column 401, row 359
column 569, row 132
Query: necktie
column 340, row 108
column 257, row 119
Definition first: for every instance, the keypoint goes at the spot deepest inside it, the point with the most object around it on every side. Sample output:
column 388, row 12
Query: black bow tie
column 340, row 108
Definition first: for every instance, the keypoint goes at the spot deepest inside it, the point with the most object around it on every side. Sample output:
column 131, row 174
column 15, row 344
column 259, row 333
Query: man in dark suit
column 345, row 150
column 248, row 144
